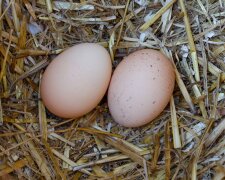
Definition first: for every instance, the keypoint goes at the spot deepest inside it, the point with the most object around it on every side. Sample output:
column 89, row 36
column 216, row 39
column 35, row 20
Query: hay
column 185, row 141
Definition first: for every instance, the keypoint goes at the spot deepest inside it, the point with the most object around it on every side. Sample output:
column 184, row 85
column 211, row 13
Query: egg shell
column 140, row 88
column 76, row 80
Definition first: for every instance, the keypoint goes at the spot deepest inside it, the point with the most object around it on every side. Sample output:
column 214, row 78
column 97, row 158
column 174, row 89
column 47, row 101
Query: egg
column 76, row 80
column 140, row 88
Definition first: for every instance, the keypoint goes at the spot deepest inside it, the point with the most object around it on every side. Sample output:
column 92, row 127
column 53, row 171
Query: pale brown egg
column 140, row 88
column 76, row 80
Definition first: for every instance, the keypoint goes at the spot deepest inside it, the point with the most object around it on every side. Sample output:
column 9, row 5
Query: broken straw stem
column 190, row 41
column 175, row 128
column 49, row 6
column 195, row 89
column 146, row 25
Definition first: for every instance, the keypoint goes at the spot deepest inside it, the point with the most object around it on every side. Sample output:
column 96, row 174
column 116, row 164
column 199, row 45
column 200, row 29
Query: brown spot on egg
column 149, row 98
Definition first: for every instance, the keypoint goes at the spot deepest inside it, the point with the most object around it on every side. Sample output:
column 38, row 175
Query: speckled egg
column 141, row 87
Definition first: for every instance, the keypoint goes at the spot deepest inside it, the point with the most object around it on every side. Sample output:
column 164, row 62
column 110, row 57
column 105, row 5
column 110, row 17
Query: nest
column 186, row 141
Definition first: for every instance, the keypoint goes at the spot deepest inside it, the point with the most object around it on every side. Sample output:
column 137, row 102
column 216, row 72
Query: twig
column 49, row 6
column 1, row 113
column 190, row 41
column 14, row 166
column 42, row 116
column 215, row 133
column 183, row 89
column 146, row 25
column 175, row 128
column 167, row 152
column 70, row 162
column 195, row 89
column 121, row 26
column 3, row 68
